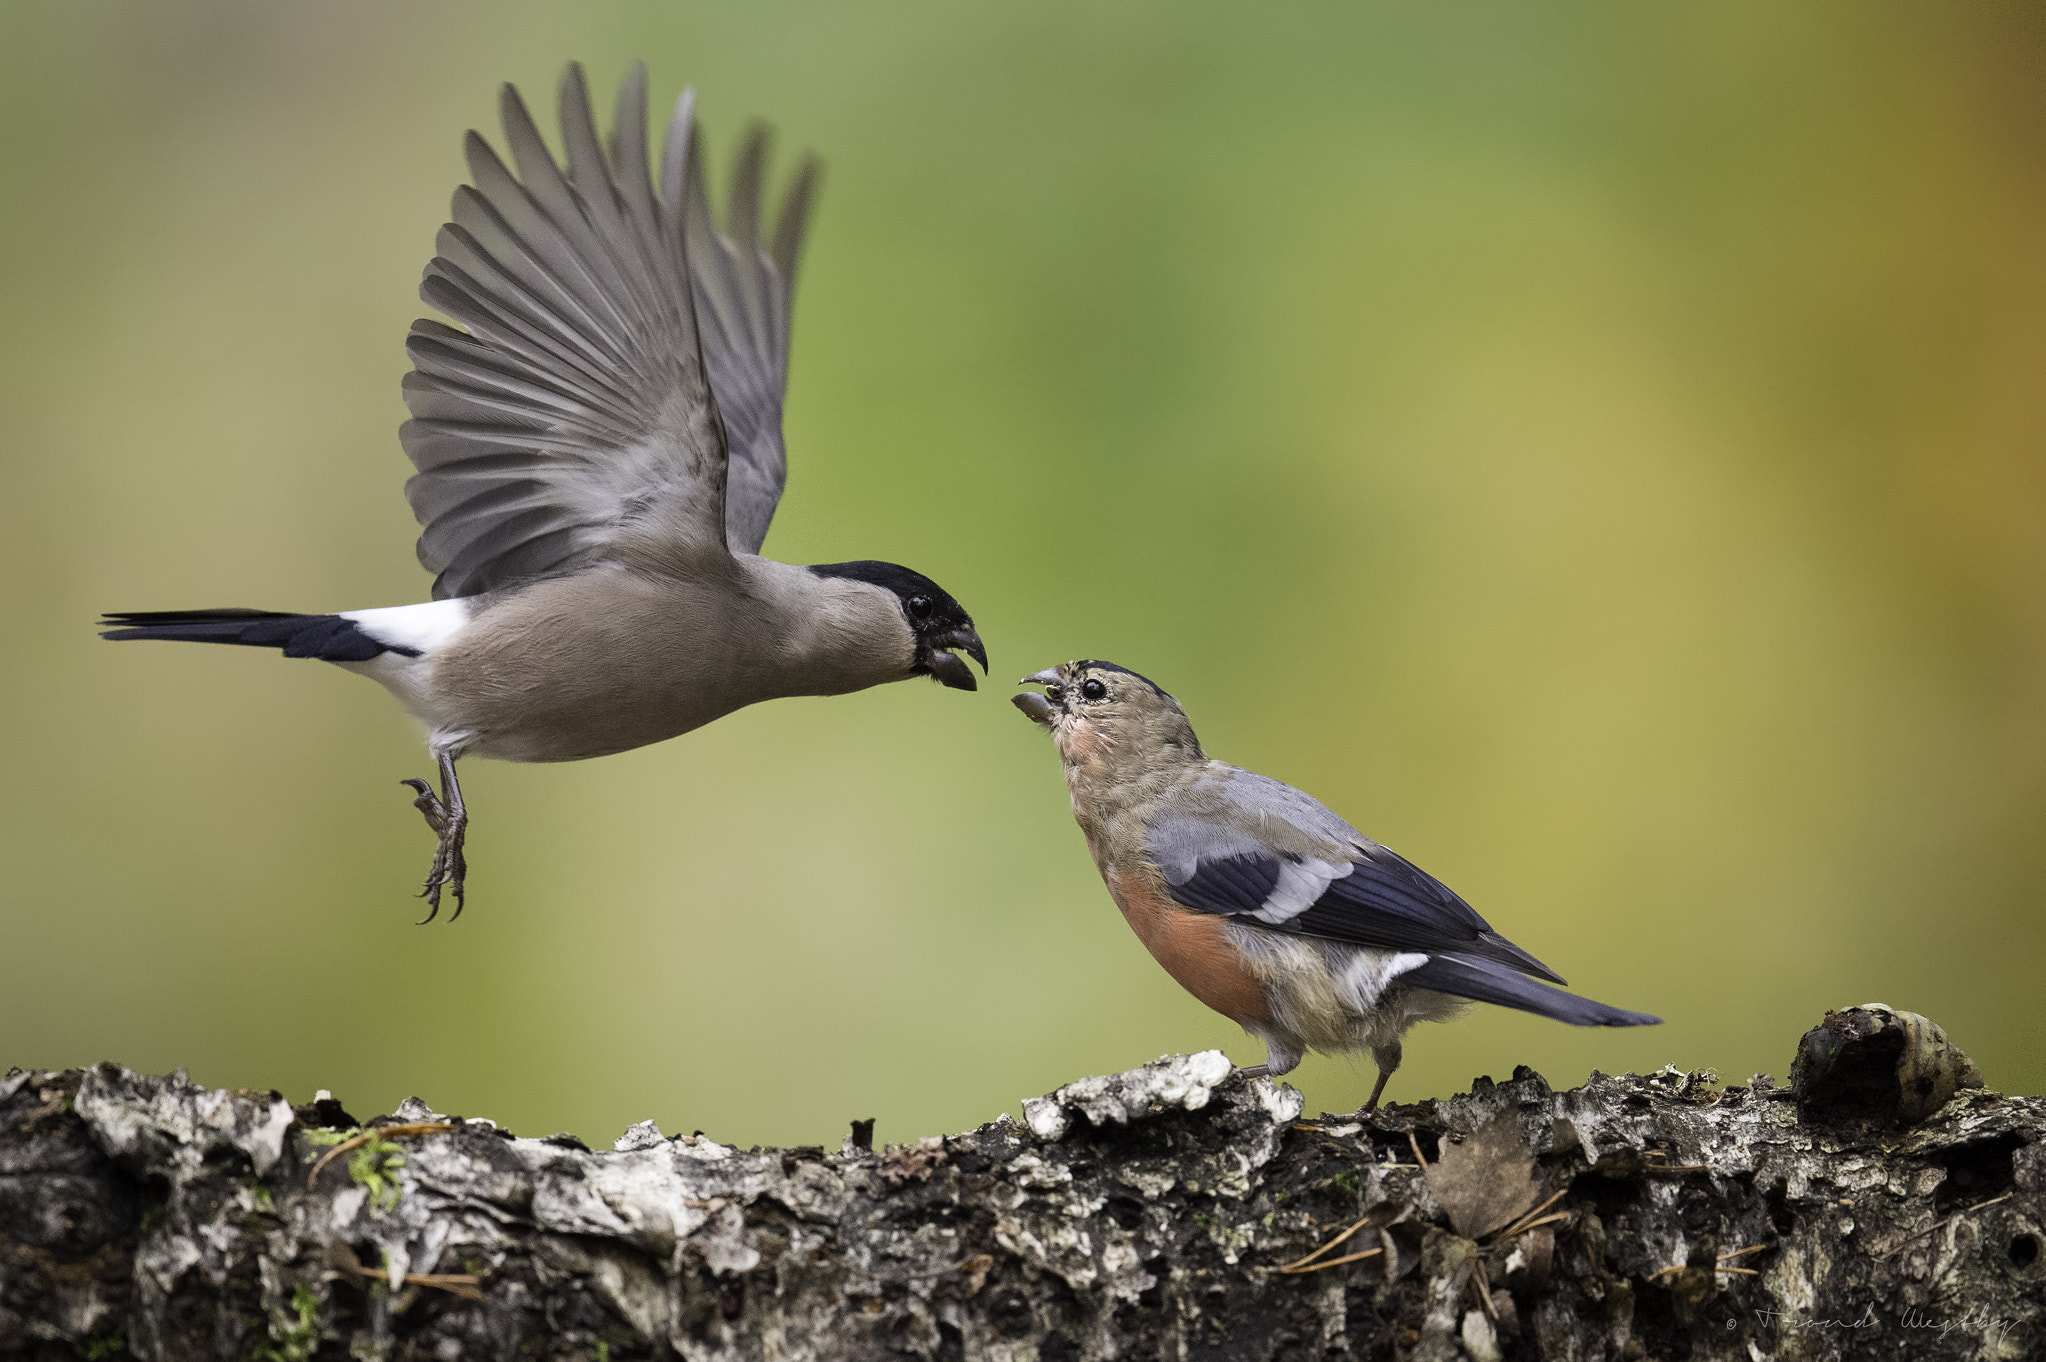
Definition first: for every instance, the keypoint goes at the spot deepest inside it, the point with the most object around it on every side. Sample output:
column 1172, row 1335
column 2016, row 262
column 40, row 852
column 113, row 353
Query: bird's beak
column 947, row 667
column 1035, row 707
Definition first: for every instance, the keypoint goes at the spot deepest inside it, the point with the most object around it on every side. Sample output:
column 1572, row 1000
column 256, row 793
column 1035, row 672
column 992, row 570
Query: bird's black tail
column 1485, row 981
column 331, row 638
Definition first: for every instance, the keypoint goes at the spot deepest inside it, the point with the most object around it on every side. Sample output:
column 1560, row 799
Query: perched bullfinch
column 599, row 449
column 1261, row 902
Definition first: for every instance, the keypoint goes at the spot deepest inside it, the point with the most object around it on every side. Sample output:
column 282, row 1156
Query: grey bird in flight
column 1261, row 902
column 600, row 452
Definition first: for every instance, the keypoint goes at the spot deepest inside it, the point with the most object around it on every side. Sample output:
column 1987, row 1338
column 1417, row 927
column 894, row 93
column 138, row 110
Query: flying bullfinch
column 599, row 449
column 1259, row 900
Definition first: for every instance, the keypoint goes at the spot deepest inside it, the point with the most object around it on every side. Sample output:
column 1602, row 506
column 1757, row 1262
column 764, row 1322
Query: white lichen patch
column 1150, row 1182
column 1182, row 1082
column 1858, row 1175
column 702, row 1148
column 643, row 1135
column 1281, row 1102
column 1047, row 1121
column 1030, row 1170
column 725, row 1245
column 1229, row 1175
column 135, row 1117
column 415, row 1111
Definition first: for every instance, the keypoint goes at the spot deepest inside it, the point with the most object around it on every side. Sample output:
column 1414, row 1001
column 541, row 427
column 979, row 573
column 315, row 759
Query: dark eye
column 919, row 607
column 1092, row 690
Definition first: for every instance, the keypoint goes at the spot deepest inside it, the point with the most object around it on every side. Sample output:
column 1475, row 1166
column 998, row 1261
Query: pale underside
column 612, row 658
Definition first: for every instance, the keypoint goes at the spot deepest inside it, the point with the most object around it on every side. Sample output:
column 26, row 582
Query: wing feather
column 459, row 359
column 570, row 417
column 744, row 293
column 1251, row 847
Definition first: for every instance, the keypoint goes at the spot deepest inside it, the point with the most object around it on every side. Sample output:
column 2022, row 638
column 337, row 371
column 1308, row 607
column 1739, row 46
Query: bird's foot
column 449, row 867
column 1253, row 1071
column 1377, row 1091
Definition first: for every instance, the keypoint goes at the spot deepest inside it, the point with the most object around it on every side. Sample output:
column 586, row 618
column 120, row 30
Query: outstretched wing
column 1250, row 846
column 745, row 289
column 571, row 419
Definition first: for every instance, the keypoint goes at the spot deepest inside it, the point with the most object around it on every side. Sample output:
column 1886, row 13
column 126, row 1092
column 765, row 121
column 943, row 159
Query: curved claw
column 450, row 868
column 449, row 821
column 428, row 803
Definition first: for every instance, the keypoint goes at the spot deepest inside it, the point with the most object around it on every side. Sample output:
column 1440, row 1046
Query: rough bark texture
column 1142, row 1215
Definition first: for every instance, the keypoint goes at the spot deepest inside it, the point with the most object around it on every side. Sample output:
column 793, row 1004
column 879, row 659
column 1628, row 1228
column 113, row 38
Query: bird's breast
column 1193, row 948
column 1079, row 739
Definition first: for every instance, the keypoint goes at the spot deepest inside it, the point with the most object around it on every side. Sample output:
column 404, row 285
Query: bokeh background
column 1598, row 451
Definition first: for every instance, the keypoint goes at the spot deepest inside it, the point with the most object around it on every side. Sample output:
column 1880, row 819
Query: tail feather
column 331, row 638
column 1486, row 981
column 1493, row 946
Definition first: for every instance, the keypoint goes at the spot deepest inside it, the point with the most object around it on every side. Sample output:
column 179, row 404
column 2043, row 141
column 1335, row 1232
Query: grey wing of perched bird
column 573, row 421
column 745, row 286
column 1261, row 848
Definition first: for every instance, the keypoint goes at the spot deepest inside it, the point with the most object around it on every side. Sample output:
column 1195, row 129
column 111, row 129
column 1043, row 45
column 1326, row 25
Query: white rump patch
column 1300, row 884
column 1367, row 972
column 423, row 627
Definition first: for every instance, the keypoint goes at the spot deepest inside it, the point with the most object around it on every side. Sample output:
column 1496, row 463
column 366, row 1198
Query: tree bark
column 1160, row 1213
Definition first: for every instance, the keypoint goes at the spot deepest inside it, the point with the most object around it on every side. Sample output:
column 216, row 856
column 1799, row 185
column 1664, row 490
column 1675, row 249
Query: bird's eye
column 1092, row 690
column 919, row 607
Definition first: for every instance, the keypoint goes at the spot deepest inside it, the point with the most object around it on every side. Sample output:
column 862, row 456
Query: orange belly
column 1192, row 947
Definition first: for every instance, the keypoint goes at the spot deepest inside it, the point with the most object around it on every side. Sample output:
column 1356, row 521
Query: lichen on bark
column 1176, row 1211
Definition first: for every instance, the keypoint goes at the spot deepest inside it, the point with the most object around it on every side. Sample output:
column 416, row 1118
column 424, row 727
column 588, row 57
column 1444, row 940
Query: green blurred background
column 1598, row 452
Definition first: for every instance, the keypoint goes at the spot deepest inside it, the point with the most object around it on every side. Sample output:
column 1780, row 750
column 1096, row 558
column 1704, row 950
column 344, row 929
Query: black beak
column 952, row 672
column 947, row 667
column 969, row 642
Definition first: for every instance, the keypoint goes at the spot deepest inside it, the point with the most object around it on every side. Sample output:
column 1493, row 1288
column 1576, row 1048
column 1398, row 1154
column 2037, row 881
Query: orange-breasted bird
column 1259, row 900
